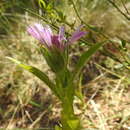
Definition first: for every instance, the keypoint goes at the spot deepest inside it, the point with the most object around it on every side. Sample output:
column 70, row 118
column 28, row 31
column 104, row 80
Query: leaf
column 73, row 124
column 61, row 15
column 123, row 45
column 42, row 3
column 49, row 6
column 35, row 104
column 41, row 75
column 58, row 128
column 123, row 42
column 85, row 58
column 54, row 59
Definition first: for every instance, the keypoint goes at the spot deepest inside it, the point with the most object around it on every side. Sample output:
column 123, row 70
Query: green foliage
column 57, row 13
column 64, row 88
column 10, row 11
column 58, row 128
column 41, row 75
column 42, row 3
column 54, row 58
column 85, row 57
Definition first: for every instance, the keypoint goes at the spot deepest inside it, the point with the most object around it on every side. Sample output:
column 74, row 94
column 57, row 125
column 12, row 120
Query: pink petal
column 56, row 42
column 47, row 33
column 76, row 35
column 33, row 31
column 61, row 35
column 41, row 33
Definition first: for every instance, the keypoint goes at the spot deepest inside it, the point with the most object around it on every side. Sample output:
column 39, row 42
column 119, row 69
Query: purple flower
column 45, row 36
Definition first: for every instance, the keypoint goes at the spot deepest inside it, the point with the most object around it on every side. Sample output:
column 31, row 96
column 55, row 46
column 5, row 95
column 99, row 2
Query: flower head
column 46, row 37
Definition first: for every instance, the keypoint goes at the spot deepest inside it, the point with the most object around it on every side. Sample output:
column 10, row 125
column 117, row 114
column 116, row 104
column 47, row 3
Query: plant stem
column 68, row 118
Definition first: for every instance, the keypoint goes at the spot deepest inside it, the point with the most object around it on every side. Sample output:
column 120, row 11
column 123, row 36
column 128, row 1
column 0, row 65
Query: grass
column 25, row 102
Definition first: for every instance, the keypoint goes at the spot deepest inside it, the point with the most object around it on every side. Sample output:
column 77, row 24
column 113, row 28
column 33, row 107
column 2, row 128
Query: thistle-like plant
column 54, row 48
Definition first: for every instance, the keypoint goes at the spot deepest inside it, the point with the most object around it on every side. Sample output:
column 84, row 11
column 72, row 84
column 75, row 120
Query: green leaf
column 123, row 45
column 54, row 59
column 61, row 15
column 58, row 128
column 49, row 6
column 42, row 3
column 123, row 42
column 85, row 57
column 73, row 124
column 41, row 75
column 35, row 104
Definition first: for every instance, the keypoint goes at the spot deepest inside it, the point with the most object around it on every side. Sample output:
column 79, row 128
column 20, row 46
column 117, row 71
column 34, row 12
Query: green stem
column 68, row 118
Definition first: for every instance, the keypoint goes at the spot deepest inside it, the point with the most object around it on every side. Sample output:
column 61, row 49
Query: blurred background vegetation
column 27, row 103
